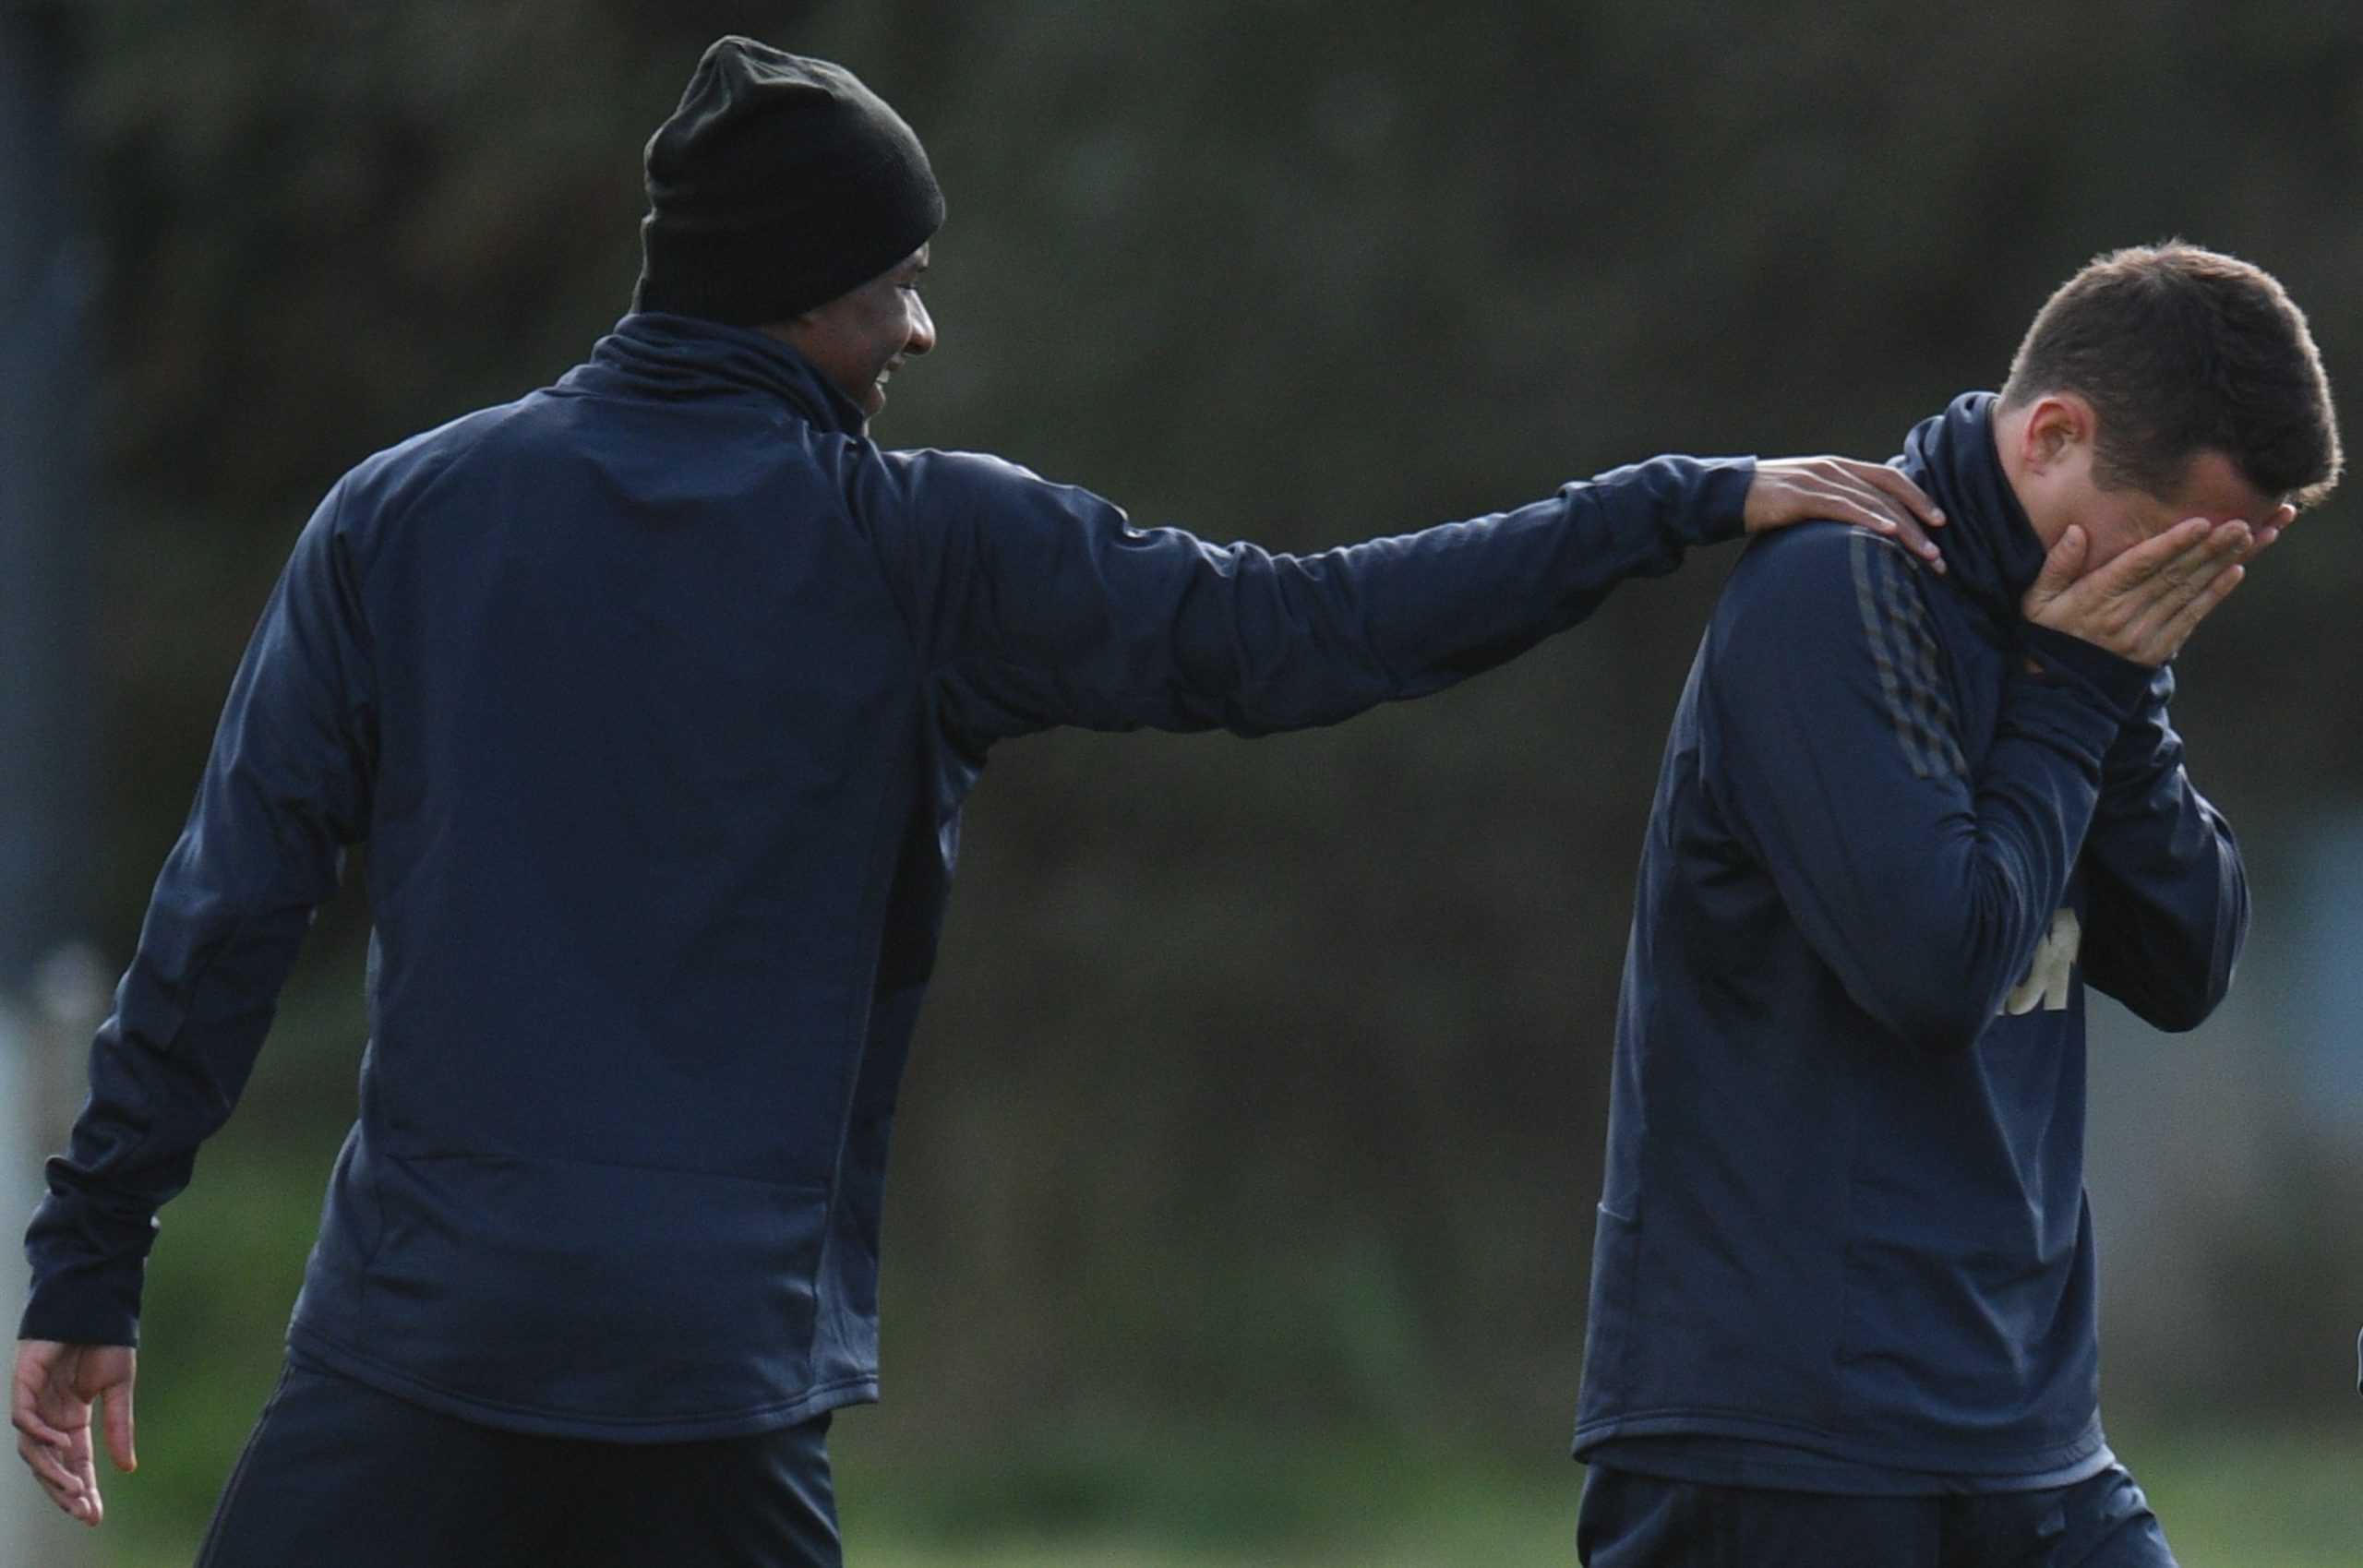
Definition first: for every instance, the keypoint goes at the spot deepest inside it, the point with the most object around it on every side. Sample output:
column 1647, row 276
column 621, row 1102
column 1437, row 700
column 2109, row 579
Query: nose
column 922, row 335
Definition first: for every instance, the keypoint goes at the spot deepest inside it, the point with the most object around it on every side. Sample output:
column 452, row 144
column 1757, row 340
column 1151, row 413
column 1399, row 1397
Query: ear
column 2059, row 428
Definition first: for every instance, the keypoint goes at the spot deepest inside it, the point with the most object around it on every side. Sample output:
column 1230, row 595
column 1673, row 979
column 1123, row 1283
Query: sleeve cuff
column 2117, row 685
column 71, row 1317
column 81, row 1297
column 1721, row 507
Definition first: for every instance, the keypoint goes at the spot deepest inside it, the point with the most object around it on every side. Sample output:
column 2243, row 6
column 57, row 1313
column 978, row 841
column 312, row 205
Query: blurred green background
column 1241, row 1202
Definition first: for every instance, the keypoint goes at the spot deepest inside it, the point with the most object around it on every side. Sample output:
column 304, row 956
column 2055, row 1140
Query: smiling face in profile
column 860, row 339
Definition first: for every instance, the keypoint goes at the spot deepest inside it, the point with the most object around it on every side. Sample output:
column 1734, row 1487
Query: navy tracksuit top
column 656, row 694
column 1842, row 1243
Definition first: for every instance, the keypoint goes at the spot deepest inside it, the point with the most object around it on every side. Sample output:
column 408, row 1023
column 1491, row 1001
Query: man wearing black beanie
column 656, row 694
column 778, row 184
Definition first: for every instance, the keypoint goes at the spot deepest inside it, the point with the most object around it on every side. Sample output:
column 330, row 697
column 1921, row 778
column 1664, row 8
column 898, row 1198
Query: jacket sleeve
column 1041, row 604
column 285, row 790
column 1831, row 743
column 2169, row 896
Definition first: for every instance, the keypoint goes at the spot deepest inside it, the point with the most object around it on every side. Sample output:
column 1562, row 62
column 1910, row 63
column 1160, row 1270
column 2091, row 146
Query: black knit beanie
column 779, row 184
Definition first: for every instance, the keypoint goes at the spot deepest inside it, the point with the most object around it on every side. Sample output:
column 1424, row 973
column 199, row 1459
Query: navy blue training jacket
column 1842, row 1243
column 656, row 694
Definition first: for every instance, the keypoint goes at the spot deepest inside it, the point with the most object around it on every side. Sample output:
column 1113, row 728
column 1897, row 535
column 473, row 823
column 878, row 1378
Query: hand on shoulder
column 1833, row 489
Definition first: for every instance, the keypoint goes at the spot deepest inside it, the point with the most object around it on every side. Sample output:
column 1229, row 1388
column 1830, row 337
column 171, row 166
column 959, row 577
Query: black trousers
column 1630, row 1521
column 336, row 1473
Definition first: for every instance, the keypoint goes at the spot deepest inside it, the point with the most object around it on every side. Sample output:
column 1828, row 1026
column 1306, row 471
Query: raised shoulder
column 1822, row 569
column 978, row 485
column 1824, row 607
column 382, row 491
column 412, row 463
column 981, row 469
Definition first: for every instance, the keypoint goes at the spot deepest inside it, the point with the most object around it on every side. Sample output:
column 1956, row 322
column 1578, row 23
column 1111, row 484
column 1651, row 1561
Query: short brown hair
column 2181, row 350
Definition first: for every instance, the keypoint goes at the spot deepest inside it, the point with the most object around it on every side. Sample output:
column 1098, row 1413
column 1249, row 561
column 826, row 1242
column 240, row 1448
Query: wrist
column 2113, row 683
column 1721, row 509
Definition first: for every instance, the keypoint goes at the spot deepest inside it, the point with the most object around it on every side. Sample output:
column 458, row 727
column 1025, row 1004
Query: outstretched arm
column 1040, row 605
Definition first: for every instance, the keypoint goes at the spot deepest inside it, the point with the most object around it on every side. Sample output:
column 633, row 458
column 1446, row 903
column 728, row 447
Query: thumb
column 2060, row 566
column 118, row 1426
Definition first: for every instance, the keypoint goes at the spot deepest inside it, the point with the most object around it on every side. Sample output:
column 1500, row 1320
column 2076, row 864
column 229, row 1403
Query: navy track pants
column 337, row 1472
column 1633, row 1521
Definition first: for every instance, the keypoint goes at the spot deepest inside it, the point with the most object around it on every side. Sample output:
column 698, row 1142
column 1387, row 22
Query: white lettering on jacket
column 2055, row 959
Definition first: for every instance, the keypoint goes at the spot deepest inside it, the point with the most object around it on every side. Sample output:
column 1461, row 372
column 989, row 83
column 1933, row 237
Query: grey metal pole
column 49, row 277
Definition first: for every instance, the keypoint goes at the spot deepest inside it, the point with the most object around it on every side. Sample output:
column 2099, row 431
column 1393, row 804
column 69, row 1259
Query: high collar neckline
column 1992, row 552
column 654, row 353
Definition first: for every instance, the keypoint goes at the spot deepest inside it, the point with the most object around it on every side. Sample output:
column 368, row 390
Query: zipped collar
column 1992, row 552
column 653, row 355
